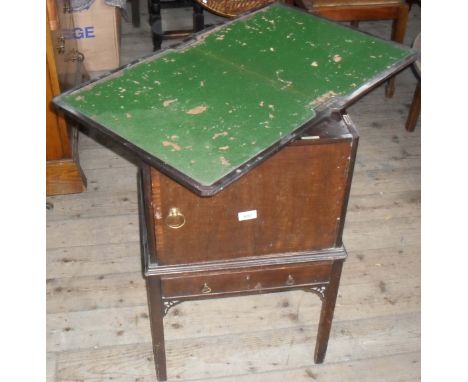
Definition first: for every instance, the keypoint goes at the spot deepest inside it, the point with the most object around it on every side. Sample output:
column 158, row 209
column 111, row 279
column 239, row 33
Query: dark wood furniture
column 63, row 70
column 197, row 247
column 363, row 10
column 246, row 155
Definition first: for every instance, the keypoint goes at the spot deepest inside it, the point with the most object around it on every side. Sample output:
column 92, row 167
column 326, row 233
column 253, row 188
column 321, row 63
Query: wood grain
column 213, row 230
column 64, row 176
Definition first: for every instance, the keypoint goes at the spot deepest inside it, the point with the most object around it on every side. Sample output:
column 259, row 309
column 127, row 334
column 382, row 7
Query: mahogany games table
column 246, row 155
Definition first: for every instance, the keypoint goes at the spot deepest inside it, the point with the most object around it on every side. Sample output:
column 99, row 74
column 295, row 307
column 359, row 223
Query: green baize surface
column 212, row 106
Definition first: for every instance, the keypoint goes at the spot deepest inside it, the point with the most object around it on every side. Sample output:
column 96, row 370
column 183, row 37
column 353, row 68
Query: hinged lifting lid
column 212, row 108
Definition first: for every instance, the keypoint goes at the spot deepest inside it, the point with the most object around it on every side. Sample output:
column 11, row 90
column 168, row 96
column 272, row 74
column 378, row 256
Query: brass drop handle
column 290, row 281
column 175, row 219
column 206, row 289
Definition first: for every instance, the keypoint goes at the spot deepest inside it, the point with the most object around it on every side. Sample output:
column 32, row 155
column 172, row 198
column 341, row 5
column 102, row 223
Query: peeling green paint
column 210, row 107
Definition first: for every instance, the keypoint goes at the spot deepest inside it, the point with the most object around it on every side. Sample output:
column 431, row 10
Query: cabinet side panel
column 349, row 180
column 56, row 129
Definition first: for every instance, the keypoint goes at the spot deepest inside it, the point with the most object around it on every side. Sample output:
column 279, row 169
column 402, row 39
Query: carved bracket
column 168, row 304
column 319, row 290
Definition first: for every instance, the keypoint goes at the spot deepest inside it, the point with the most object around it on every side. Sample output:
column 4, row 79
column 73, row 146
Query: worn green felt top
column 216, row 103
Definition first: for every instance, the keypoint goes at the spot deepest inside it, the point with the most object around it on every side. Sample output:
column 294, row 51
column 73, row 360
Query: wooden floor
column 97, row 317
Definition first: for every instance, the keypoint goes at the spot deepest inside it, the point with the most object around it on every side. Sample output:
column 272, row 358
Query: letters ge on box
column 79, row 33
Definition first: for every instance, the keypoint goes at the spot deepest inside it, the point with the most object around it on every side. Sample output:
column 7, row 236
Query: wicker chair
column 361, row 10
column 231, row 8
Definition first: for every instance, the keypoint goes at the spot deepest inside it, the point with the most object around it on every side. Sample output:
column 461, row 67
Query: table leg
column 156, row 310
column 326, row 314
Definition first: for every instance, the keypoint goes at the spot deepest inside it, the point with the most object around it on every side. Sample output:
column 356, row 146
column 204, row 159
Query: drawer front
column 212, row 283
column 290, row 203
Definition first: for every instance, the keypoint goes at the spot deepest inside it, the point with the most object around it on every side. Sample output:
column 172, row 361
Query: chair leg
column 326, row 314
column 415, row 109
column 398, row 35
column 154, row 10
column 135, row 13
column 198, row 17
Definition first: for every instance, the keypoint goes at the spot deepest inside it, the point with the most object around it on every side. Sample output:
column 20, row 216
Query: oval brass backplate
column 206, row 289
column 290, row 281
column 175, row 219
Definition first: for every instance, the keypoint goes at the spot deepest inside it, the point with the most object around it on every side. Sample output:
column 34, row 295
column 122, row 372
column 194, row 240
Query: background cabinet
column 63, row 70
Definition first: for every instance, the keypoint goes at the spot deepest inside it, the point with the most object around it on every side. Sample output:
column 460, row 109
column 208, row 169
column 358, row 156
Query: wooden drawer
column 212, row 283
column 295, row 200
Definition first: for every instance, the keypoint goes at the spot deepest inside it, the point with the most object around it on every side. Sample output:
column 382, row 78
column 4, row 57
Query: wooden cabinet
column 277, row 228
column 269, row 215
column 256, row 214
column 63, row 70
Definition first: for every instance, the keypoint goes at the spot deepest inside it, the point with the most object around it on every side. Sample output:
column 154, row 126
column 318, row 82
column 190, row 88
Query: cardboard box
column 97, row 33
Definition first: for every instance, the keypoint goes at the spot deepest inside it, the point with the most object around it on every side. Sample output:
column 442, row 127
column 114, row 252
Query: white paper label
column 247, row 215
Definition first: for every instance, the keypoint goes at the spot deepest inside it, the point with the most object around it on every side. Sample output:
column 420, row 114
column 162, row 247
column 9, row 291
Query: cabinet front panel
column 289, row 203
